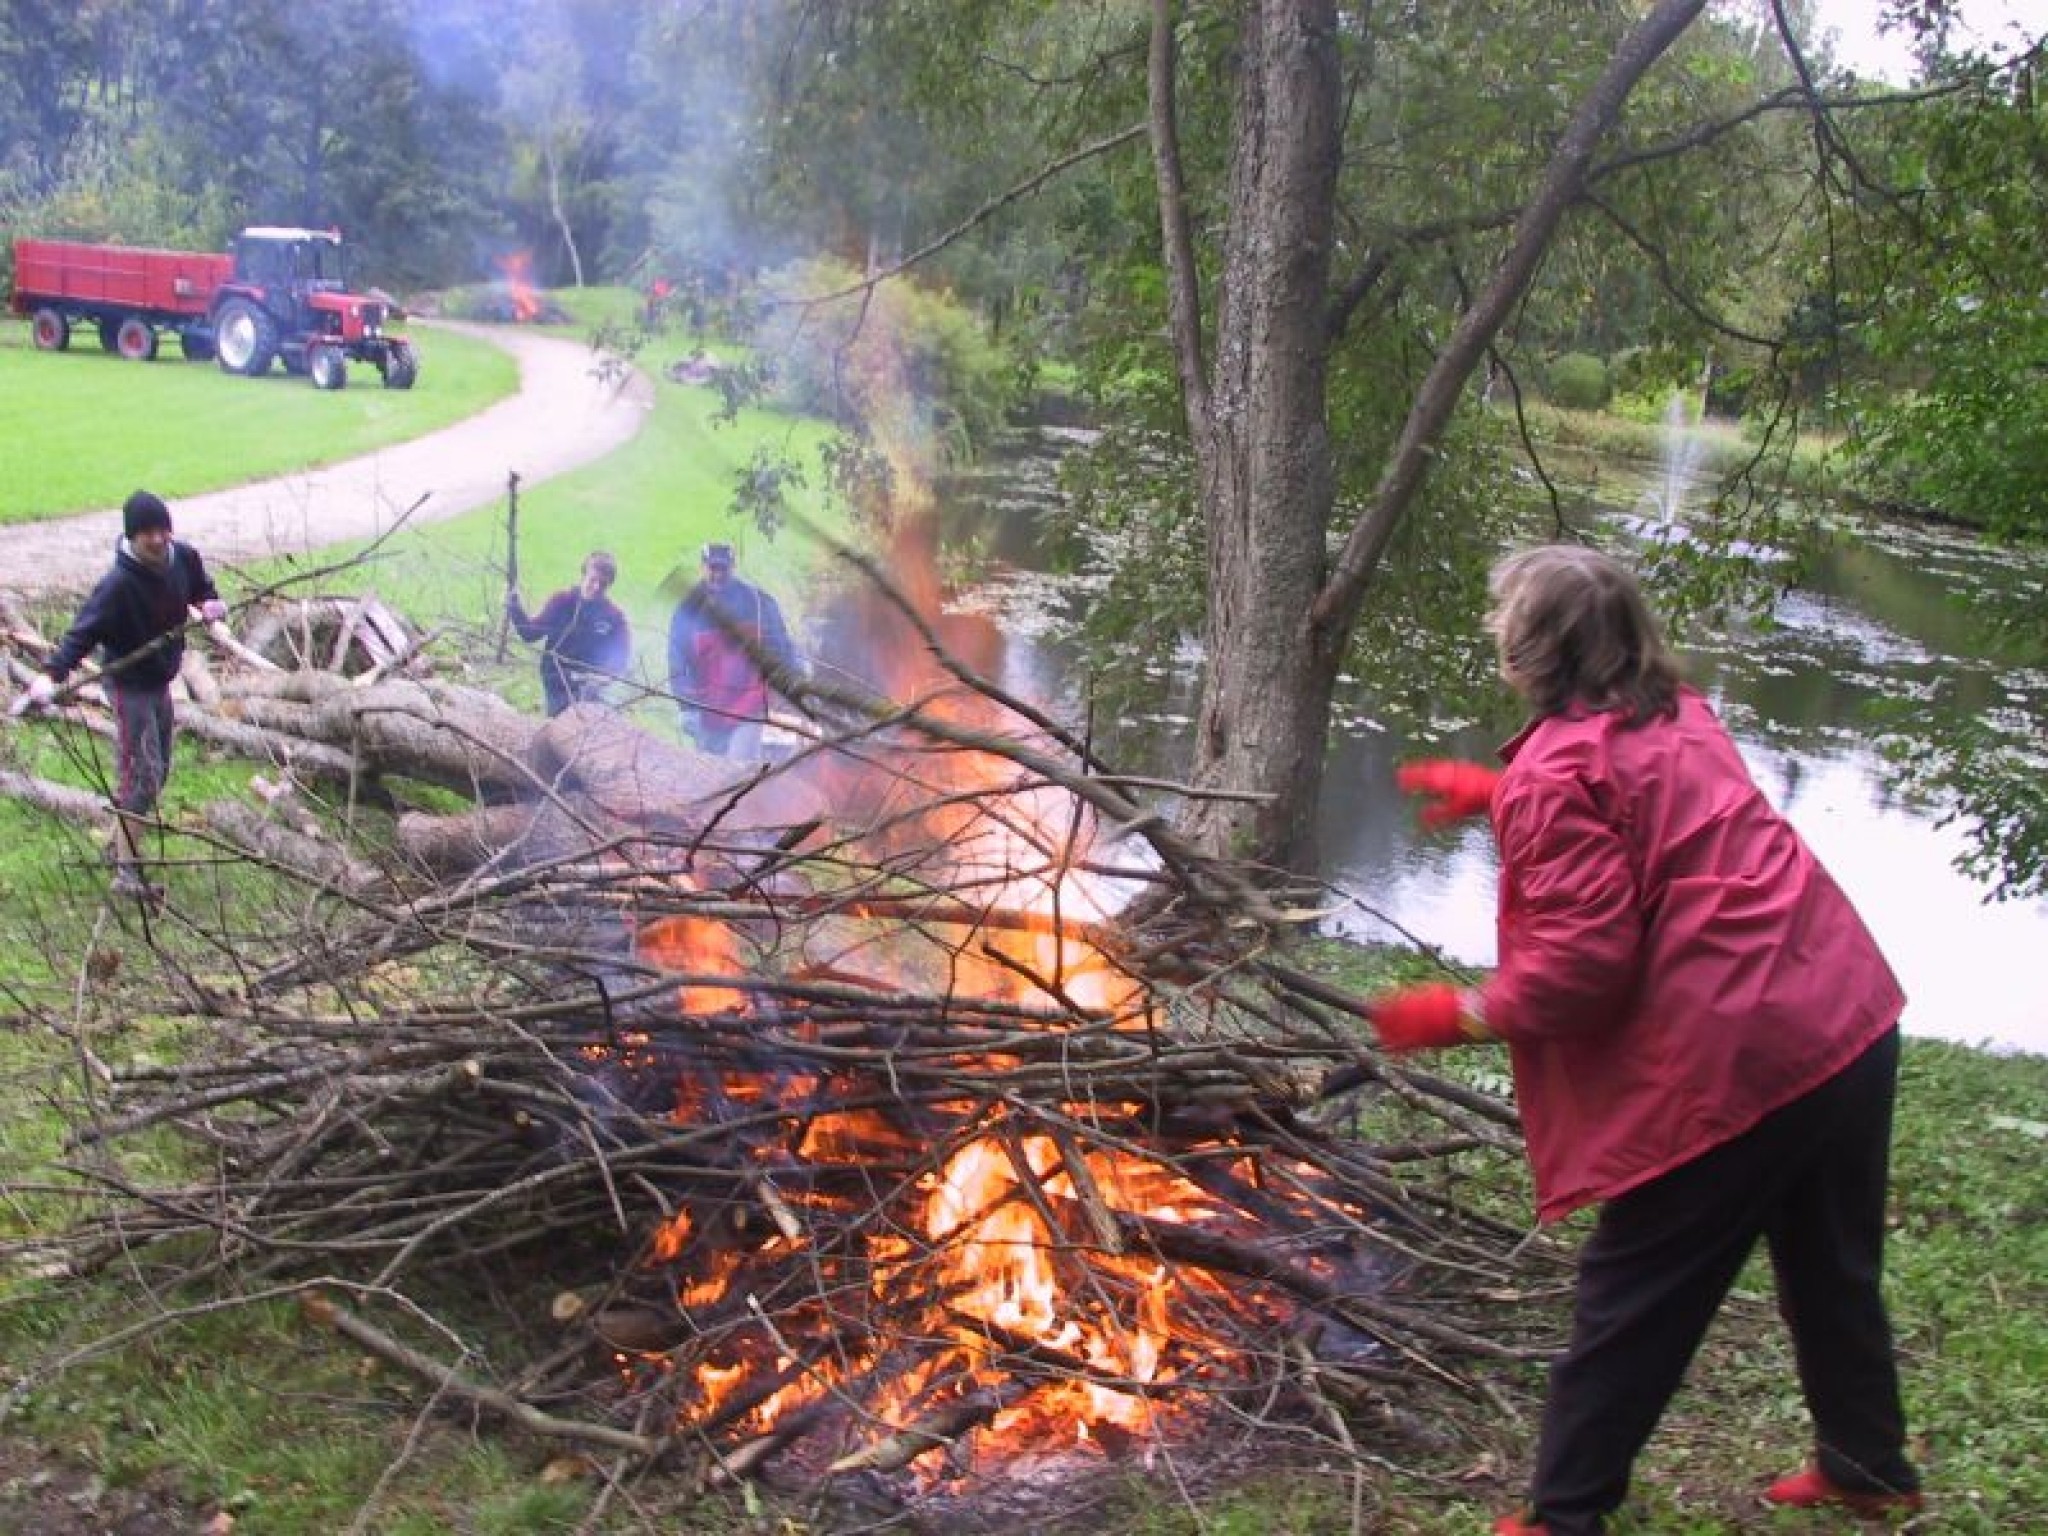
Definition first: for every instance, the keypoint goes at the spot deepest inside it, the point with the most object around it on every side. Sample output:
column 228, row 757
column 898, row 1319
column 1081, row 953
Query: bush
column 905, row 366
column 1578, row 381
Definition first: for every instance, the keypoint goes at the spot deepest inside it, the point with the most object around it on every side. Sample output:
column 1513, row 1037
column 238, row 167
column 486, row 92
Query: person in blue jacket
column 586, row 641
column 136, row 617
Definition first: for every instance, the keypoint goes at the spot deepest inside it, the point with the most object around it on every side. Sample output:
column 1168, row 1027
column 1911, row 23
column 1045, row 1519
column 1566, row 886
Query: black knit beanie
column 145, row 509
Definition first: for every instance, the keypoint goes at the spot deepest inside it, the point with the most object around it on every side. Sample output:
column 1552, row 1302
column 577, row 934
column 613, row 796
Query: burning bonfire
column 512, row 297
column 914, row 1111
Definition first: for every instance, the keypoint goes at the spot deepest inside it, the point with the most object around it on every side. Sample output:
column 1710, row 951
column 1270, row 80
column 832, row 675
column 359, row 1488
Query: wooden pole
column 511, row 555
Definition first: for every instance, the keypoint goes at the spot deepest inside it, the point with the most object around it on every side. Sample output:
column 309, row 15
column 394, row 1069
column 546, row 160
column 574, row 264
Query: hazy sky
column 1994, row 25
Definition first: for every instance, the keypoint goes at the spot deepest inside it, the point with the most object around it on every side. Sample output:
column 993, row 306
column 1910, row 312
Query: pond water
column 1886, row 613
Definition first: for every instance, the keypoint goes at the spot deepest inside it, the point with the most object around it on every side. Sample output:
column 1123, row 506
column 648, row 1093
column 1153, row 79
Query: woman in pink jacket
column 1704, row 1039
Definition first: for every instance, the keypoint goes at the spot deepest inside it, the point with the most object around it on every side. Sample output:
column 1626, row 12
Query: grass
column 82, row 428
column 258, row 1414
column 1721, row 448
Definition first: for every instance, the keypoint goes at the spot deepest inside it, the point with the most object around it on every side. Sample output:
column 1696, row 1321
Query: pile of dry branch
column 915, row 1107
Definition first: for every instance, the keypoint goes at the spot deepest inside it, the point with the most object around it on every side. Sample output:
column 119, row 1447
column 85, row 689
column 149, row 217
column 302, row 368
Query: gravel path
column 562, row 417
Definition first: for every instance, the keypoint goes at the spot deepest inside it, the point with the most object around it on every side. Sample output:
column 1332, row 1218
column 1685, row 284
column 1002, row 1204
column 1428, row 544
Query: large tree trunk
column 1262, row 444
column 1280, row 612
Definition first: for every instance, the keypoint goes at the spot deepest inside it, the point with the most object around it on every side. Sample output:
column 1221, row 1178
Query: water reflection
column 1885, row 614
column 1972, row 971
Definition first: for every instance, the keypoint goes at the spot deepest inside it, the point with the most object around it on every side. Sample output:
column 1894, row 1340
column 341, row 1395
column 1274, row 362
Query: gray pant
column 143, row 726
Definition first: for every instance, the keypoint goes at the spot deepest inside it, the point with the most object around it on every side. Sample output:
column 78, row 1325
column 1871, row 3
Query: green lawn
column 80, row 429
column 652, row 504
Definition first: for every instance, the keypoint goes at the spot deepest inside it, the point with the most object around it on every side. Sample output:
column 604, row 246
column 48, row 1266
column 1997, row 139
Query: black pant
column 1810, row 1180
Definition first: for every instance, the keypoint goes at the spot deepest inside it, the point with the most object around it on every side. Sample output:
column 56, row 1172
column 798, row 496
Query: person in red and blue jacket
column 1705, row 1044
column 720, row 637
column 136, row 617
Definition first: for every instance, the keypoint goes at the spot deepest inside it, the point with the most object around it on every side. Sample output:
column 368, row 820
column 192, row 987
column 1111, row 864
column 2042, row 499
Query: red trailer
column 130, row 293
column 282, row 295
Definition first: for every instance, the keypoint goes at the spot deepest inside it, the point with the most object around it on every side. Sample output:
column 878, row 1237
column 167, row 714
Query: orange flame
column 1012, row 1246
column 697, row 946
column 517, row 270
column 1003, row 1264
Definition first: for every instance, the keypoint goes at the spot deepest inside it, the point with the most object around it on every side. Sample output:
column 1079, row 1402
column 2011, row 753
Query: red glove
column 1416, row 1018
column 1455, row 790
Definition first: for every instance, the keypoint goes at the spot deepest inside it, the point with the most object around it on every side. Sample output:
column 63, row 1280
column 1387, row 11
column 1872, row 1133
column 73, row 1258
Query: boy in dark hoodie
column 136, row 617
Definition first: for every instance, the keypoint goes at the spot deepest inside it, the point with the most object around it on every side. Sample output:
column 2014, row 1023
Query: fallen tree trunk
column 314, row 860
column 79, row 806
column 460, row 739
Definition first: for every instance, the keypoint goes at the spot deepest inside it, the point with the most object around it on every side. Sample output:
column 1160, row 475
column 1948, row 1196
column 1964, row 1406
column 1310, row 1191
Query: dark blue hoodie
column 133, row 604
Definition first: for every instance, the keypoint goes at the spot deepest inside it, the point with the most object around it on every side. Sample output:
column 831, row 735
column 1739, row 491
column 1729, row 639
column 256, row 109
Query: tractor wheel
column 136, row 340
column 244, row 339
column 110, row 335
column 51, row 330
column 196, row 345
column 401, row 368
column 326, row 367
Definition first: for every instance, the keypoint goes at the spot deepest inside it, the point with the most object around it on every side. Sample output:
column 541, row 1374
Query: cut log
column 309, row 858
column 457, row 738
column 635, row 777
column 450, row 846
column 310, row 762
column 75, row 805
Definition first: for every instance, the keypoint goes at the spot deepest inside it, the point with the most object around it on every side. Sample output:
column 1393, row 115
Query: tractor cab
column 268, row 256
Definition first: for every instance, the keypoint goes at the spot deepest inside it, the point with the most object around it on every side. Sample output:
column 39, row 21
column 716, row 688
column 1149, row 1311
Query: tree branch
column 1337, row 606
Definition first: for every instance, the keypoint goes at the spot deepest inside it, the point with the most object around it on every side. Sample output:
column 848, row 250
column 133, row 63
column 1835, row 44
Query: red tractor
column 282, row 294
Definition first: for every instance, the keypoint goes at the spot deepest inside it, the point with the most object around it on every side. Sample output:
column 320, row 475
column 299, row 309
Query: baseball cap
column 719, row 555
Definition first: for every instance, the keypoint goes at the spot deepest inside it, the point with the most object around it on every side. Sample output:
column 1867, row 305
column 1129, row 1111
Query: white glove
column 213, row 610
column 36, row 697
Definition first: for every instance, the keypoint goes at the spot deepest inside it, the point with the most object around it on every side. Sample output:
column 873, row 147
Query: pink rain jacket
column 1674, row 962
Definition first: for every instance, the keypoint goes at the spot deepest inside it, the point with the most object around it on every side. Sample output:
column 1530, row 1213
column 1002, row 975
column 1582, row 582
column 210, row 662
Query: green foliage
column 176, row 126
column 1939, row 378
column 1991, row 779
column 904, row 367
column 1130, row 538
column 1974, row 446
column 128, row 195
column 1950, row 412
column 1578, row 381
